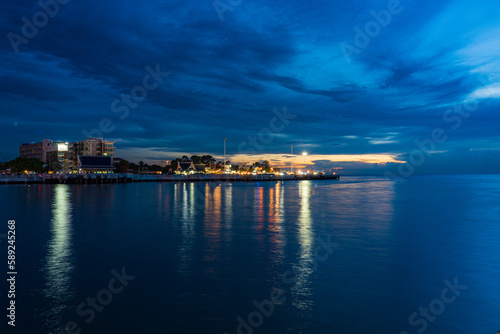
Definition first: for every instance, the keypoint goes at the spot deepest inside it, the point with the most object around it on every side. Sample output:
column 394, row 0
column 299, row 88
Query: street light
column 291, row 158
column 304, row 155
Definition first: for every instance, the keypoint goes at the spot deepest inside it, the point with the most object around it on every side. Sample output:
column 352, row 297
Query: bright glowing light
column 304, row 153
column 62, row 147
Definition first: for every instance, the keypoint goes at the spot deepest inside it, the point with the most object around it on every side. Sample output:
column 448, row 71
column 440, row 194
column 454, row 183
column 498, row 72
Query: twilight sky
column 356, row 84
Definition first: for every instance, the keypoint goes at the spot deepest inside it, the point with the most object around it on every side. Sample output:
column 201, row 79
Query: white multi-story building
column 47, row 151
column 67, row 154
column 36, row 150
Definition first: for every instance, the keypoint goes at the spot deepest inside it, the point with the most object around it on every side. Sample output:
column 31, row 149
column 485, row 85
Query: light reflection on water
column 276, row 226
column 212, row 227
column 188, row 231
column 206, row 251
column 228, row 214
column 59, row 260
column 277, row 221
column 301, row 290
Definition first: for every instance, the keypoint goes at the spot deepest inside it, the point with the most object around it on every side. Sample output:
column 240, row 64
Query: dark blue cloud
column 226, row 77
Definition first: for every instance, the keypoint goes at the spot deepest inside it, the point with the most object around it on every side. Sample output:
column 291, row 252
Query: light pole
column 224, row 156
column 291, row 158
column 304, row 155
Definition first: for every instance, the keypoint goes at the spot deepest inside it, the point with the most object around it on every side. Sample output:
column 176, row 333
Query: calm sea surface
column 359, row 255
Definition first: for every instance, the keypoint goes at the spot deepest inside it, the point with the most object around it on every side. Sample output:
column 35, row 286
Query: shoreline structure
column 90, row 178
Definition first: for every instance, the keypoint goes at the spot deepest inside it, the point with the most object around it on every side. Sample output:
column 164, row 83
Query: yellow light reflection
column 212, row 225
column 228, row 213
column 275, row 225
column 259, row 194
column 301, row 290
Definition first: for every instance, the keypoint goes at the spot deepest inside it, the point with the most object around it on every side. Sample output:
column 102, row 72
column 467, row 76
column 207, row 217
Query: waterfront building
column 46, row 151
column 58, row 152
column 200, row 168
column 245, row 167
column 185, row 167
column 66, row 154
column 93, row 164
column 97, row 147
column 36, row 150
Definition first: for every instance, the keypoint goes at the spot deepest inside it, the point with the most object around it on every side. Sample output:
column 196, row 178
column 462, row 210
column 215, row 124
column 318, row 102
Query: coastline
column 128, row 178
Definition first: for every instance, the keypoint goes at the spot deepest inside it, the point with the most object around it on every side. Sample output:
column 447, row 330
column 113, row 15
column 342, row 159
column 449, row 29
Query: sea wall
column 89, row 178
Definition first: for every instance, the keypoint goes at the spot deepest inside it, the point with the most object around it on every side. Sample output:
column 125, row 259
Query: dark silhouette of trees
column 207, row 159
column 196, row 159
column 26, row 164
column 53, row 166
column 122, row 166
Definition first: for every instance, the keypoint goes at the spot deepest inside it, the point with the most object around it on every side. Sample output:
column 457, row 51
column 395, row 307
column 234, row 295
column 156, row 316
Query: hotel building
column 36, row 150
column 67, row 153
column 95, row 147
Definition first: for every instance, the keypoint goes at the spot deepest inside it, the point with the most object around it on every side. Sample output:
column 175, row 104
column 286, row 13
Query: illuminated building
column 92, row 164
column 47, row 151
column 66, row 154
column 96, row 147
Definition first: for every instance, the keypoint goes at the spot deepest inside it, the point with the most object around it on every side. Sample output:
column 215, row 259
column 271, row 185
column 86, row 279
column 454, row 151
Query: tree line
column 20, row 165
column 124, row 166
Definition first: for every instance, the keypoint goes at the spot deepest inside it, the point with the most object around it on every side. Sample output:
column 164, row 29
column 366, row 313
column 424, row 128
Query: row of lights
column 291, row 157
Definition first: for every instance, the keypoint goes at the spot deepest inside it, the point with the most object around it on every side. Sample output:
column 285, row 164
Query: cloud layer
column 423, row 68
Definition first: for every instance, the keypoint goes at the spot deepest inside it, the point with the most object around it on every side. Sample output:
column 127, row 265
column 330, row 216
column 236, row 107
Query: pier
column 90, row 178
